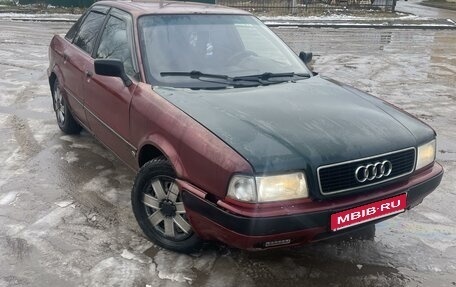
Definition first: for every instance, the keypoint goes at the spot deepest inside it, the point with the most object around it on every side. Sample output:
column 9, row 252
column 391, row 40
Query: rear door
column 76, row 57
column 107, row 99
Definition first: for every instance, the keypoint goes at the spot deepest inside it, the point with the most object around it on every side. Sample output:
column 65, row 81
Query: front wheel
column 159, row 210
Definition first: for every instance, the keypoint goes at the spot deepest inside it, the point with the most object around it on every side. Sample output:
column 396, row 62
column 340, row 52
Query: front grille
column 341, row 177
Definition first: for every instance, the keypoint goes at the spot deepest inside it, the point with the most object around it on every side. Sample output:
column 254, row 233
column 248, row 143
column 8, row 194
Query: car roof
column 142, row 7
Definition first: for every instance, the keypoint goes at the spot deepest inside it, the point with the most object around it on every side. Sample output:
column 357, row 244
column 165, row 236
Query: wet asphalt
column 413, row 7
column 65, row 215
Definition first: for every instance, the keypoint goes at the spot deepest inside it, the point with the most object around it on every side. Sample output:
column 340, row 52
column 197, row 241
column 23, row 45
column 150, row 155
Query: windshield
column 229, row 45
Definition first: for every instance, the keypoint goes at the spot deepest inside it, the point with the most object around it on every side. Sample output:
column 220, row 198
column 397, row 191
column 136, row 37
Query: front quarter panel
column 197, row 155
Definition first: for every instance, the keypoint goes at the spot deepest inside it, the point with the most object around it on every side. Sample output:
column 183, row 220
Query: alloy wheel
column 59, row 105
column 165, row 209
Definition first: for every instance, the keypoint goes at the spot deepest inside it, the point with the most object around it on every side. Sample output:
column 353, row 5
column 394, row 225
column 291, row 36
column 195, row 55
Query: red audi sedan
column 232, row 136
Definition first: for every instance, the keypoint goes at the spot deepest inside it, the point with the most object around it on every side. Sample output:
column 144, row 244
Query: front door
column 107, row 100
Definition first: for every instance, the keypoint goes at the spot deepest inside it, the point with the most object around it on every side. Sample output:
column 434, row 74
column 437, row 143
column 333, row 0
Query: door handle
column 65, row 56
column 89, row 74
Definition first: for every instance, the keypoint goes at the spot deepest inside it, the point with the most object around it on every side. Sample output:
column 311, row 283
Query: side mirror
column 112, row 68
column 305, row 57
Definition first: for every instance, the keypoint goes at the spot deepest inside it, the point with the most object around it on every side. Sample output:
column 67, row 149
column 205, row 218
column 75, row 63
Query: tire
column 159, row 210
column 63, row 115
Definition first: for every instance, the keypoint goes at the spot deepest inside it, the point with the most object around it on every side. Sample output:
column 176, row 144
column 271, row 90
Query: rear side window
column 87, row 35
column 115, row 44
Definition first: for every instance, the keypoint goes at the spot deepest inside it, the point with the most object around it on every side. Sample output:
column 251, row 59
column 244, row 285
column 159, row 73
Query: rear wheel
column 65, row 120
column 159, row 210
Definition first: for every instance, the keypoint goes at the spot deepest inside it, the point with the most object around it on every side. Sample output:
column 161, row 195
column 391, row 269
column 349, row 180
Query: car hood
column 301, row 125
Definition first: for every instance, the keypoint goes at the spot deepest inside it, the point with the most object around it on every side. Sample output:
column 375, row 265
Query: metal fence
column 60, row 3
column 301, row 7
column 268, row 7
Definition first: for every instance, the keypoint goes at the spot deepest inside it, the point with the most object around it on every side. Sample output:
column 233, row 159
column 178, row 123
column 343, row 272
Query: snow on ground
column 332, row 17
column 35, row 16
column 8, row 198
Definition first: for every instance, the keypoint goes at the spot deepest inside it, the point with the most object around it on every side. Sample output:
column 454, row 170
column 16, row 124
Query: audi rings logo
column 373, row 170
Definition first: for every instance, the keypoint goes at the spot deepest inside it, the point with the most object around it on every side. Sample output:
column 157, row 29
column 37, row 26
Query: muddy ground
column 65, row 216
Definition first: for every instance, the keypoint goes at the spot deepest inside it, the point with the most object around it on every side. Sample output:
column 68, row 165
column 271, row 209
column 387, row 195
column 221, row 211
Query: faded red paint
column 139, row 115
column 133, row 117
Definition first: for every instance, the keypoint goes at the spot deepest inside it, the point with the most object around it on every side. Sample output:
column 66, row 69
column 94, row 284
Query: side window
column 90, row 28
column 115, row 44
column 74, row 29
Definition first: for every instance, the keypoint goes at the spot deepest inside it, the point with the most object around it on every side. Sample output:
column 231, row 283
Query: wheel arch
column 52, row 79
column 147, row 153
column 55, row 74
column 155, row 146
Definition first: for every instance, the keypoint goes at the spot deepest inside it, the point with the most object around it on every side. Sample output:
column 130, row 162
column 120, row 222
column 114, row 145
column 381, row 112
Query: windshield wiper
column 268, row 76
column 247, row 81
column 228, row 81
column 195, row 75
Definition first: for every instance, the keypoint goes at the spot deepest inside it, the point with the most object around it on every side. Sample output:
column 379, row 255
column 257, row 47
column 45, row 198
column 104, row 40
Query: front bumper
column 299, row 224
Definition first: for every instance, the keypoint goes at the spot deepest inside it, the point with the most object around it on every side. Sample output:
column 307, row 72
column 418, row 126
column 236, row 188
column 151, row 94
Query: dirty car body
column 233, row 137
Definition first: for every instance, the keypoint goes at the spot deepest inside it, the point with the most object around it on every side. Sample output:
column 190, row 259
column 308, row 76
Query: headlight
column 281, row 187
column 268, row 188
column 426, row 154
column 242, row 188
